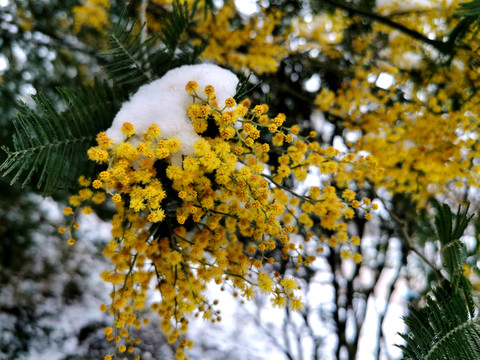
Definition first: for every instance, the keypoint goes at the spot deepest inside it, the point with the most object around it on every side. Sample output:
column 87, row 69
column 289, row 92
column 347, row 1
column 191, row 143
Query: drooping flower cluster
column 225, row 214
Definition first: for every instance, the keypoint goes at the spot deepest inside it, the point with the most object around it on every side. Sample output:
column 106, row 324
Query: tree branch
column 77, row 46
column 444, row 47
column 410, row 244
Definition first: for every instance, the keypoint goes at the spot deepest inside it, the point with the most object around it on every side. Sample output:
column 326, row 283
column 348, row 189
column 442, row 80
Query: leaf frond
column 471, row 8
column 450, row 228
column 135, row 61
column 49, row 147
column 448, row 327
column 444, row 329
column 176, row 24
column 132, row 58
column 470, row 12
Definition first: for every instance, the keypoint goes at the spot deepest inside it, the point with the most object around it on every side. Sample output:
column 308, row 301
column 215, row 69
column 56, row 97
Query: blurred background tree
column 394, row 79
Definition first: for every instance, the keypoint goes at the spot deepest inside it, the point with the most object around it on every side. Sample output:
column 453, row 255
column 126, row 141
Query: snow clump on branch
column 164, row 102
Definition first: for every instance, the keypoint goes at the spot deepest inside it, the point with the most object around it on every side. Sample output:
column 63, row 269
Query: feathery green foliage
column 136, row 62
column 470, row 12
column 129, row 65
column 448, row 326
column 450, row 228
column 49, row 146
column 471, row 8
column 176, row 25
column 443, row 329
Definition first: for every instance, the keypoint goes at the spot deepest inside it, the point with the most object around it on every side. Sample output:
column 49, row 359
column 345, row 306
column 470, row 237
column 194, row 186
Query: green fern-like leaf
column 443, row 329
column 471, row 8
column 469, row 11
column 450, row 229
column 132, row 59
column 176, row 24
column 136, row 62
column 448, row 327
column 49, row 147
column 467, row 287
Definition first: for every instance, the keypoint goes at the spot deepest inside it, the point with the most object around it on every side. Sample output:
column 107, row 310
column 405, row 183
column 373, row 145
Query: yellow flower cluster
column 226, row 215
column 81, row 202
column 424, row 131
column 323, row 33
column 93, row 13
column 244, row 46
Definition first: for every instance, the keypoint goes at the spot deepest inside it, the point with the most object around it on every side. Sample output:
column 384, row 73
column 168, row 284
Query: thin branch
column 73, row 44
column 54, row 40
column 411, row 245
column 444, row 47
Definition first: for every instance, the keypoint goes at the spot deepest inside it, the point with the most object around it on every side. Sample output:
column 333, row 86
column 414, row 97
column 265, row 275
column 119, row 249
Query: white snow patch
column 313, row 84
column 247, row 7
column 164, row 102
column 384, row 80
